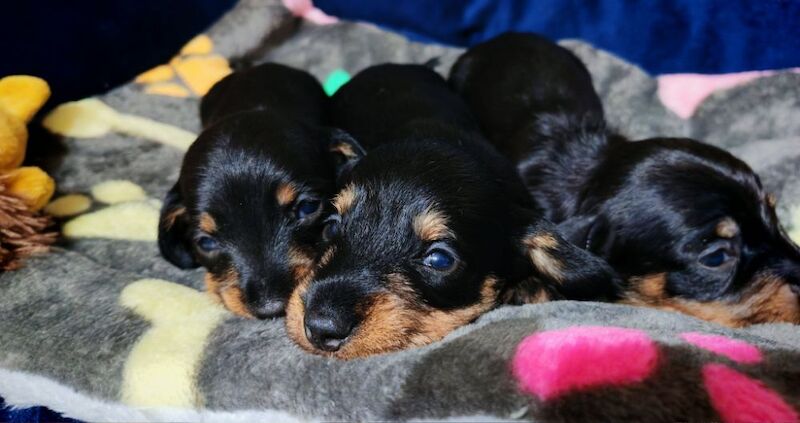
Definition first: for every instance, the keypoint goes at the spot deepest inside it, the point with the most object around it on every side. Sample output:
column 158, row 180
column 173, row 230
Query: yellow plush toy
column 20, row 99
column 23, row 190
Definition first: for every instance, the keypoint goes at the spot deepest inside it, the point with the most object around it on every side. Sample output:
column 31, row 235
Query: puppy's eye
column 207, row 244
column 716, row 258
column 306, row 208
column 439, row 259
column 331, row 229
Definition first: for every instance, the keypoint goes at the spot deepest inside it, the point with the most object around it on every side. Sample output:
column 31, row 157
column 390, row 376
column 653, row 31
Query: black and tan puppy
column 432, row 227
column 250, row 198
column 686, row 225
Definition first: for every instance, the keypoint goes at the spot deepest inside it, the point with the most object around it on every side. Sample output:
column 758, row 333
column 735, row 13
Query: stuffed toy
column 23, row 190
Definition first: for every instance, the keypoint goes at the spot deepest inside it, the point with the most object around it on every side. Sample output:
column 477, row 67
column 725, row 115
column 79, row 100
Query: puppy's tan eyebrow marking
column 207, row 223
column 431, row 225
column 727, row 228
column 285, row 193
column 345, row 199
column 539, row 248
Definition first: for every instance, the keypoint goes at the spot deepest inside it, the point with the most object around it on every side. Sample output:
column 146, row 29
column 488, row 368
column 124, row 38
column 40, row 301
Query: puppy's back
column 272, row 87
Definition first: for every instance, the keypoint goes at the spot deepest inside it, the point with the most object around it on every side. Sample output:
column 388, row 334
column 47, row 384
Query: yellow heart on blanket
column 131, row 215
column 161, row 369
column 191, row 73
column 91, row 118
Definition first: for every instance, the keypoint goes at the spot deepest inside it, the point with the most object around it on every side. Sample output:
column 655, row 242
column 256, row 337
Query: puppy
column 431, row 229
column 687, row 226
column 249, row 201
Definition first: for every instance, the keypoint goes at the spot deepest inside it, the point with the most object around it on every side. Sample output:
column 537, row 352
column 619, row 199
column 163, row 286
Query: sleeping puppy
column 686, row 225
column 248, row 204
column 432, row 226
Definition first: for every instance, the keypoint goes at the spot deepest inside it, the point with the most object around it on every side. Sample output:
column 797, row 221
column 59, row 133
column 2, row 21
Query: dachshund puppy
column 686, row 225
column 249, row 202
column 432, row 226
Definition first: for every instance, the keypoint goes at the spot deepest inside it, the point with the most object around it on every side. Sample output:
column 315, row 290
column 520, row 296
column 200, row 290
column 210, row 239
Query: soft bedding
column 103, row 329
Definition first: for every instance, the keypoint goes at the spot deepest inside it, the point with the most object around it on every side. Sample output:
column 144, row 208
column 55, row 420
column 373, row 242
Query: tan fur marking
column 344, row 149
column 768, row 299
column 285, row 194
column 171, row 216
column 207, row 223
column 439, row 323
column 542, row 241
column 233, row 299
column 652, row 286
column 295, row 317
column 301, row 262
column 225, row 288
column 727, row 228
column 212, row 287
column 345, row 199
column 394, row 319
column 327, row 256
column 431, row 225
column 772, row 200
column 539, row 247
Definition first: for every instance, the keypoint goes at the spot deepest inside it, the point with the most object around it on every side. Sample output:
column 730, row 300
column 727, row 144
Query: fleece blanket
column 103, row 329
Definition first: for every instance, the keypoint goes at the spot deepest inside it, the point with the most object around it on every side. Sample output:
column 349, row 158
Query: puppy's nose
column 327, row 334
column 268, row 308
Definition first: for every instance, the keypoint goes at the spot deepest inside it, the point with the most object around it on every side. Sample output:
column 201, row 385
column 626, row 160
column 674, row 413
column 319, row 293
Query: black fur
column 262, row 128
column 424, row 152
column 649, row 207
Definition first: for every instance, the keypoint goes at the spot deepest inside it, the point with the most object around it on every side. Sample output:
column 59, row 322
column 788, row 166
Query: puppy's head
column 416, row 247
column 692, row 230
column 248, row 206
column 424, row 239
column 512, row 77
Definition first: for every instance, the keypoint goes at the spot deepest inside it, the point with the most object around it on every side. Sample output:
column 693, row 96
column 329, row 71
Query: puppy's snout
column 331, row 313
column 328, row 333
column 266, row 298
column 268, row 308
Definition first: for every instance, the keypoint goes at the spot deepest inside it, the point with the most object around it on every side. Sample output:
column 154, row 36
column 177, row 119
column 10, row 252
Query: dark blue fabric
column 86, row 47
column 662, row 36
column 31, row 415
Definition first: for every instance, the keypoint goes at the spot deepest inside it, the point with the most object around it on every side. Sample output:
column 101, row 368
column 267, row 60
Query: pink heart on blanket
column 553, row 363
column 738, row 351
column 738, row 398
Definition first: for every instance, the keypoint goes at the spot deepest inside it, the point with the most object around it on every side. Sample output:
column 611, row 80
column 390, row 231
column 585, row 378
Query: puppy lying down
column 431, row 229
column 687, row 226
column 251, row 194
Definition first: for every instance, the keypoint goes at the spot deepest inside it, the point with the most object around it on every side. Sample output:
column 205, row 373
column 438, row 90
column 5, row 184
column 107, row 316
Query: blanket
column 103, row 329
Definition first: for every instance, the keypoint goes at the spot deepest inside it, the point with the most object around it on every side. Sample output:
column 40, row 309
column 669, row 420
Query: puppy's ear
column 345, row 151
column 570, row 271
column 175, row 232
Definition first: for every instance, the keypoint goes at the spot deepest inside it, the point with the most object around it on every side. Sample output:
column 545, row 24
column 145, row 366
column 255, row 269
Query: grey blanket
column 102, row 328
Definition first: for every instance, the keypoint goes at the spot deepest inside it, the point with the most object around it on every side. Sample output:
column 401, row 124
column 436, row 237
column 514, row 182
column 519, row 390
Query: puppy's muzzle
column 327, row 333
column 267, row 297
column 330, row 314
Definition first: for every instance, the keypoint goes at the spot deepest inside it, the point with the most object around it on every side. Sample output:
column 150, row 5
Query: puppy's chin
column 392, row 321
column 768, row 298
